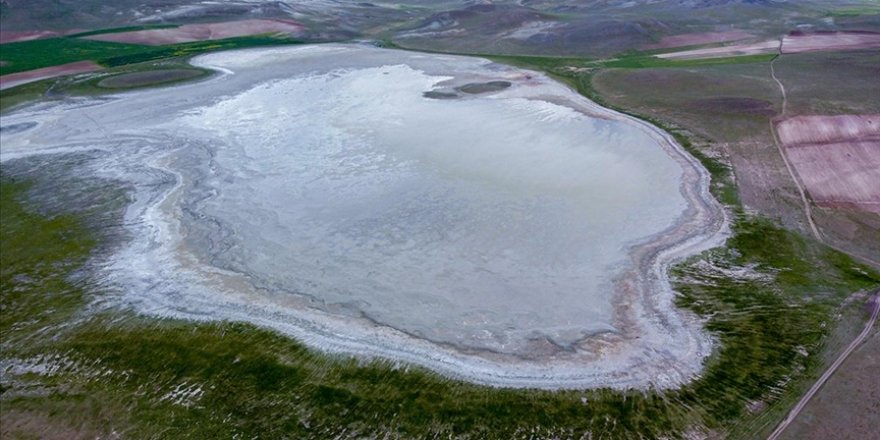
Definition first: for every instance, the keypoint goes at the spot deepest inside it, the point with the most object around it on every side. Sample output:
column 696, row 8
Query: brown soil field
column 141, row 79
column 15, row 79
column 759, row 48
column 837, row 158
column 828, row 129
column 697, row 39
column 199, row 32
column 824, row 41
column 13, row 36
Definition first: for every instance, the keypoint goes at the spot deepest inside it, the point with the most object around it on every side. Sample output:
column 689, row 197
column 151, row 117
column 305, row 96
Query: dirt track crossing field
column 875, row 310
column 825, row 41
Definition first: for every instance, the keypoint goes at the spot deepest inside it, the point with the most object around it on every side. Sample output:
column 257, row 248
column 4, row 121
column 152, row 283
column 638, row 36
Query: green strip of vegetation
column 36, row 54
column 91, row 85
column 855, row 11
column 637, row 62
column 117, row 30
column 29, row 55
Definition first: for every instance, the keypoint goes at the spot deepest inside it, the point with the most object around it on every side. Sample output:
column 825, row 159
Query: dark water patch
column 486, row 87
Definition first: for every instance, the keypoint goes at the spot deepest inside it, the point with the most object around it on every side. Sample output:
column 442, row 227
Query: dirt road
column 830, row 371
column 808, row 213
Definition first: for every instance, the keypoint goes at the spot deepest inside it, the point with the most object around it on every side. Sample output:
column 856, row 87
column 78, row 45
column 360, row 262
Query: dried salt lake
column 476, row 219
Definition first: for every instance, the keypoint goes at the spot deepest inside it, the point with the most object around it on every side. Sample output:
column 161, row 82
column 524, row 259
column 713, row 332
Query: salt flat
column 517, row 237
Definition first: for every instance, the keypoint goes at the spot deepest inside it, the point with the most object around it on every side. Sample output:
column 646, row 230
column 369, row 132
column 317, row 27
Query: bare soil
column 800, row 130
column 142, row 79
column 837, row 158
column 199, row 32
column 698, row 38
column 15, row 79
column 47, row 426
column 762, row 47
column 13, row 36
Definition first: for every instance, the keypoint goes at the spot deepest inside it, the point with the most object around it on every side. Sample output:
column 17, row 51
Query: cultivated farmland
column 837, row 158
column 199, row 32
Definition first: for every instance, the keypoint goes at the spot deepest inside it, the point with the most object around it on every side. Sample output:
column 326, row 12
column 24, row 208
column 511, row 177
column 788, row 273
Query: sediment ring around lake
column 480, row 220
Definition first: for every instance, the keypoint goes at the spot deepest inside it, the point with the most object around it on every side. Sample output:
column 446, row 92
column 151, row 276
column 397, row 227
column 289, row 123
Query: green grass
column 117, row 30
column 87, row 85
column 642, row 61
column 37, row 253
column 29, row 55
column 629, row 60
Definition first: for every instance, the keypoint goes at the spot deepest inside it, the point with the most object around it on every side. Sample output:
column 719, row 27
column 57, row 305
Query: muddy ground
column 15, row 79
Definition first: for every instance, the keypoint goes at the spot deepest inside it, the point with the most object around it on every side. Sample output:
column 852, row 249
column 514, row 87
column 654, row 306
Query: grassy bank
column 36, row 54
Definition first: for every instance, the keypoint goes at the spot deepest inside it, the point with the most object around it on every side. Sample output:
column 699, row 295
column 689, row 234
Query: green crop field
column 28, row 55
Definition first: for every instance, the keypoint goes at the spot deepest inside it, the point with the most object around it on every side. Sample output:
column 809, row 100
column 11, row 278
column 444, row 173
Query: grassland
column 123, row 29
column 28, row 55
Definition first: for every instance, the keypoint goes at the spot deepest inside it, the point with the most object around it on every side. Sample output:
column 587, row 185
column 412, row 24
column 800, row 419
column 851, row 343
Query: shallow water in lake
column 321, row 178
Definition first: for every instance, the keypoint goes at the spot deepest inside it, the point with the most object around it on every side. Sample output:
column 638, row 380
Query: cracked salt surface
column 512, row 238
